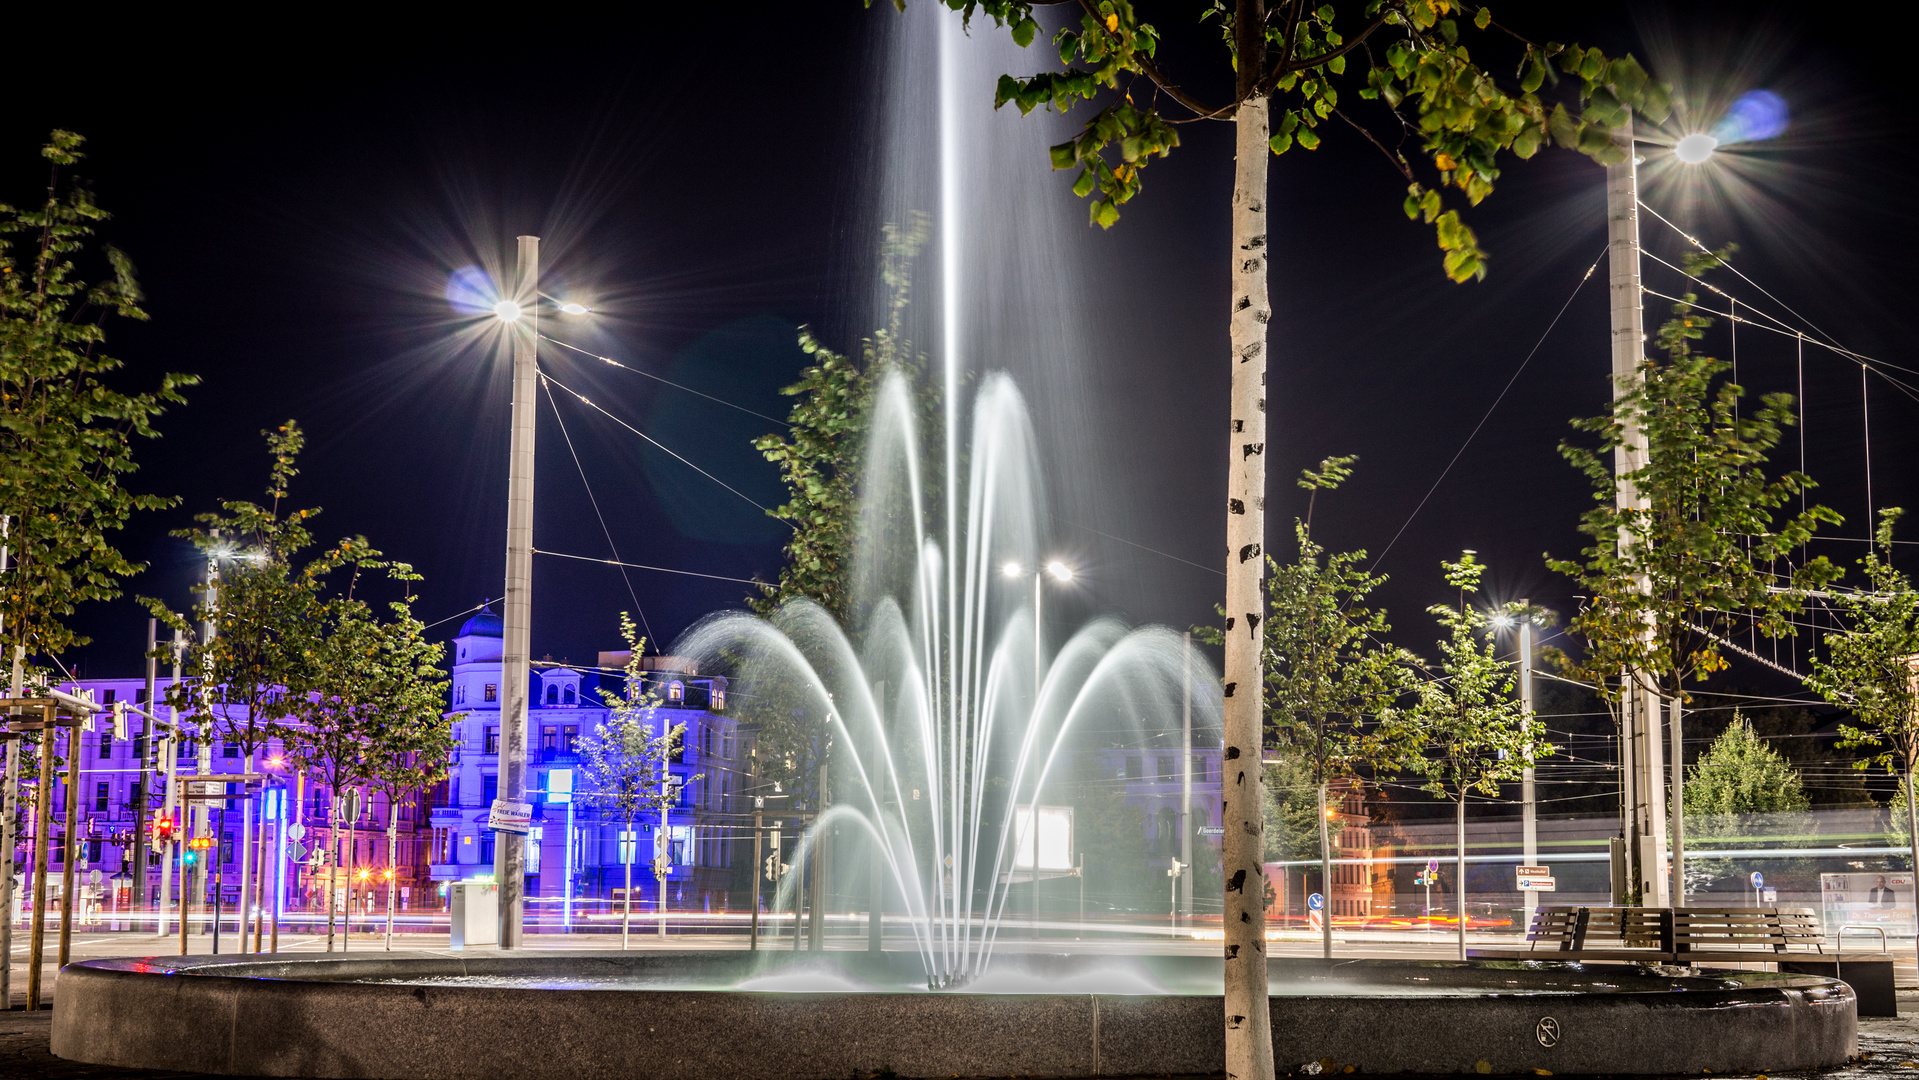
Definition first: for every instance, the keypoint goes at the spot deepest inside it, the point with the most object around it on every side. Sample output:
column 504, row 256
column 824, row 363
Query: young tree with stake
column 1289, row 61
column 1468, row 729
column 624, row 761
column 1872, row 668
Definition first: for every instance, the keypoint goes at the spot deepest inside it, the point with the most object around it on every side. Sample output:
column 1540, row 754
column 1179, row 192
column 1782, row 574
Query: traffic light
column 162, row 833
column 121, row 729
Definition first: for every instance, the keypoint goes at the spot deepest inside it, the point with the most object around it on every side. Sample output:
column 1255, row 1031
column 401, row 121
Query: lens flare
column 471, row 291
column 1694, row 149
column 507, row 311
column 1757, row 115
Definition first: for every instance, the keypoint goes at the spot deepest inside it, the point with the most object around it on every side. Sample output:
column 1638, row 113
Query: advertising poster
column 1867, row 899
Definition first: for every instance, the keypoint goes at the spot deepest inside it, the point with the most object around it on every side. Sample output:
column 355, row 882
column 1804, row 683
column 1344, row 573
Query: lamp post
column 1528, row 797
column 518, row 312
column 1060, row 572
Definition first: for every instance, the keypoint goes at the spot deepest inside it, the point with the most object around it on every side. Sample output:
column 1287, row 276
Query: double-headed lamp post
column 1060, row 572
column 519, row 314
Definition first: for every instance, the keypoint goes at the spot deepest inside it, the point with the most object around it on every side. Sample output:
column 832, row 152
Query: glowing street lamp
column 519, row 316
column 1695, row 149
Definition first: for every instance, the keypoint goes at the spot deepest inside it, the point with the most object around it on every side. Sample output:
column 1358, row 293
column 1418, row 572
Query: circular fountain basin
column 797, row 1016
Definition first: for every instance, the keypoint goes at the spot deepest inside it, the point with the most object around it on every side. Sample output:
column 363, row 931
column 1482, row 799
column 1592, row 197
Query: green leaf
column 1484, row 18
column 1280, row 143
column 1023, row 32
column 1085, row 184
column 1105, row 214
column 1535, row 78
column 1308, row 138
column 1064, row 156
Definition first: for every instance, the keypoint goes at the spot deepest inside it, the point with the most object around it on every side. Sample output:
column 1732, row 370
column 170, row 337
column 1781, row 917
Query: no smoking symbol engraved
column 1547, row 1031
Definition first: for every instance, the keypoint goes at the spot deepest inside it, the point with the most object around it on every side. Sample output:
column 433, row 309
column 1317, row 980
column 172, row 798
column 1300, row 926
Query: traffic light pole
column 142, row 786
column 753, row 943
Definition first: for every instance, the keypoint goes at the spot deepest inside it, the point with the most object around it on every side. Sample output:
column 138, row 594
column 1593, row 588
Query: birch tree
column 1470, row 730
column 1446, row 120
column 623, row 761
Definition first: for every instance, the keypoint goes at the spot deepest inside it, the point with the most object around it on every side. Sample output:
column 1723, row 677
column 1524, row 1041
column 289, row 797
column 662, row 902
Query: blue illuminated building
column 571, row 839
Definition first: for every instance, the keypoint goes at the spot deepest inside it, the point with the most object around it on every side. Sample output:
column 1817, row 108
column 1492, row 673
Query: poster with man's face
column 1867, row 899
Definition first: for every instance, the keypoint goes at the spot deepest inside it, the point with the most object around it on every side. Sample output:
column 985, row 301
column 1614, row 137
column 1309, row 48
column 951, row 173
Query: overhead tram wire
column 1490, row 409
column 584, row 400
column 643, row 566
column 594, row 500
column 669, row 382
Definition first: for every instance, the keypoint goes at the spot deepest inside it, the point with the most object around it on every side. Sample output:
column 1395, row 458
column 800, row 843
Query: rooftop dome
column 483, row 624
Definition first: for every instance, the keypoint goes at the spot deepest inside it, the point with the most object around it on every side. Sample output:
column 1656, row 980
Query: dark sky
column 294, row 198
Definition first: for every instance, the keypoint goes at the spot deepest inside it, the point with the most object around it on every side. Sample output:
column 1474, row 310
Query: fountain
column 951, row 725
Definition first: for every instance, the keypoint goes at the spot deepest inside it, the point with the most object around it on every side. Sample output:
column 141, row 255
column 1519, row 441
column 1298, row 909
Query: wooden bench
column 1789, row 937
column 1565, row 932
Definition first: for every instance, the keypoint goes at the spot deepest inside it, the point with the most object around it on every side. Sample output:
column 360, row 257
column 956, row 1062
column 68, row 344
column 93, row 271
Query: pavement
column 1889, row 1048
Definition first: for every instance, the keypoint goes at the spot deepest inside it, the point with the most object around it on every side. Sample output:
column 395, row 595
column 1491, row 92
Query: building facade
column 576, row 850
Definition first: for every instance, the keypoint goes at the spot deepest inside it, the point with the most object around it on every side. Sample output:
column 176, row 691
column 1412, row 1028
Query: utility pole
column 875, row 879
column 1186, row 782
column 1641, row 769
column 142, row 783
column 169, row 799
column 1529, row 798
column 9, row 807
column 759, row 808
column 509, row 859
column 1678, row 804
column 71, row 844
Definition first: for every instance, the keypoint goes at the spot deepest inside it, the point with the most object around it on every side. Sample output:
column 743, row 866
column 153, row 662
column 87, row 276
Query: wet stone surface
column 1888, row 1048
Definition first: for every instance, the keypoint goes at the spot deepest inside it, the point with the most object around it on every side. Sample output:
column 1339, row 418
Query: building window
column 492, row 740
column 459, row 694
column 489, row 790
column 676, row 691
column 1135, row 768
column 108, row 696
column 492, row 692
column 93, row 849
column 553, row 694
column 550, row 738
column 1199, row 769
column 1167, row 770
column 570, row 739
column 718, row 697
column 106, row 744
column 572, row 698
column 100, row 794
column 230, row 750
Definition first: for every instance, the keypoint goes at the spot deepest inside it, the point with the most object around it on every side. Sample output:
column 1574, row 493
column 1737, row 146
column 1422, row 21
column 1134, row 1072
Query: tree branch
column 1201, row 111
column 1398, row 160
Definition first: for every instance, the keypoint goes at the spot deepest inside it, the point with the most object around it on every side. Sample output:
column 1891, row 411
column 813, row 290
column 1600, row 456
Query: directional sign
column 1315, row 902
column 1212, row 830
column 1758, row 880
column 1533, row 871
column 1538, row 884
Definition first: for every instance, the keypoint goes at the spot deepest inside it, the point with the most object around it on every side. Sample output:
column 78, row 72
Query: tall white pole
column 1646, row 816
column 170, row 761
column 1186, row 781
column 1529, row 798
column 509, row 859
column 8, row 810
column 1038, row 665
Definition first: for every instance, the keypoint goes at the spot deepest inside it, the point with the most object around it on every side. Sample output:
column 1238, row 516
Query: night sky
column 295, row 197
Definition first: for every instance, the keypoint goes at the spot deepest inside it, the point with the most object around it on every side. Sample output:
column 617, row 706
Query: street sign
column 1315, row 920
column 513, row 817
column 1537, row 884
column 296, row 831
column 1769, row 896
column 1533, row 871
column 1315, row 902
column 1758, row 880
column 1212, row 830
column 297, row 852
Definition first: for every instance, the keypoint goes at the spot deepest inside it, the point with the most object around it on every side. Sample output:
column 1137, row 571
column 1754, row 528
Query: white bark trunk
column 1249, row 1043
column 631, row 843
column 392, row 851
column 1912, row 831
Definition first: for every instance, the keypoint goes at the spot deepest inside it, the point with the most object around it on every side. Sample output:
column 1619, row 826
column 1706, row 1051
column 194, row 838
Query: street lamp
column 1062, row 573
column 519, row 316
column 1695, row 149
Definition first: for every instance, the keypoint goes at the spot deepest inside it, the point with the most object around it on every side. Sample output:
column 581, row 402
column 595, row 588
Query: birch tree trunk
column 629, row 845
column 1459, row 870
column 1249, row 1043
